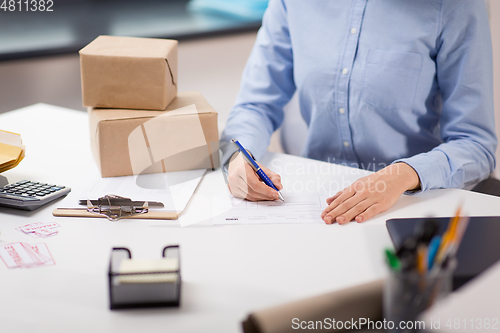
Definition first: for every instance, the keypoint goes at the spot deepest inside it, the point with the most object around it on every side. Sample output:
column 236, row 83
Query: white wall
column 214, row 67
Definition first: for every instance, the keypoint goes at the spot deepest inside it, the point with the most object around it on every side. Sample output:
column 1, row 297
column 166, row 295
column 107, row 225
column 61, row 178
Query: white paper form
column 173, row 189
column 297, row 208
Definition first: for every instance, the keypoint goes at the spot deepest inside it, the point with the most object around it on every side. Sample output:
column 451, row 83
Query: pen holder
column 408, row 293
column 139, row 284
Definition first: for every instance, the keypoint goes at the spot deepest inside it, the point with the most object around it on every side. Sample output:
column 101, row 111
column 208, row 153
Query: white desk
column 227, row 271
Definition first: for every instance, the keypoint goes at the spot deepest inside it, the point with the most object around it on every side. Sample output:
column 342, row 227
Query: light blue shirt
column 378, row 81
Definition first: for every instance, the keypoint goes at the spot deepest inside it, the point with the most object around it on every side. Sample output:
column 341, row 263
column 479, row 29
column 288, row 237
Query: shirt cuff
column 228, row 149
column 427, row 168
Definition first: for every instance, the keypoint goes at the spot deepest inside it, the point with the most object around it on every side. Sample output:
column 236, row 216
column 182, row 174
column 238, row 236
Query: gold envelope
column 12, row 150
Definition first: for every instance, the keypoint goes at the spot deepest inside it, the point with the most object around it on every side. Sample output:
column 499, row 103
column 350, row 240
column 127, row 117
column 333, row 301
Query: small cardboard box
column 129, row 73
column 133, row 142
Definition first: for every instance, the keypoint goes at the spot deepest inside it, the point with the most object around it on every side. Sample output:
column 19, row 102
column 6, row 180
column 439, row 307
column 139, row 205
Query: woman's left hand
column 371, row 195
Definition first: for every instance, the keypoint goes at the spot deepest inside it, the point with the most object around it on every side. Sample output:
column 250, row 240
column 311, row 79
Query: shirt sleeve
column 467, row 127
column 267, row 85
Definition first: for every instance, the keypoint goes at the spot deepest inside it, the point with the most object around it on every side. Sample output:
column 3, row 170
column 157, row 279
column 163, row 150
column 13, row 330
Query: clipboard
column 115, row 208
column 151, row 215
column 171, row 190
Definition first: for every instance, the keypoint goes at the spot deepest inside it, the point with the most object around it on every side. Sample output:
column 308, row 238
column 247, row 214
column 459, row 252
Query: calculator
column 29, row 195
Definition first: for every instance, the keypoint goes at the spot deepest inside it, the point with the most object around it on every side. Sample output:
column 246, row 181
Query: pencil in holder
column 144, row 283
column 408, row 293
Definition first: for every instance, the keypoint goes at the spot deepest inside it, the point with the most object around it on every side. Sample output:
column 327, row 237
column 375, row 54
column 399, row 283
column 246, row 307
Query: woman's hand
column 371, row 195
column 244, row 182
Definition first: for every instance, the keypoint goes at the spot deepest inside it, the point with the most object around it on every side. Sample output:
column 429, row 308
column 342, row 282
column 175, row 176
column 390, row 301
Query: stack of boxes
column 138, row 122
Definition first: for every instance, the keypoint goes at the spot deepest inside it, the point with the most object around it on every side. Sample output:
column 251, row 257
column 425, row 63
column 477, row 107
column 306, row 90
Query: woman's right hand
column 245, row 183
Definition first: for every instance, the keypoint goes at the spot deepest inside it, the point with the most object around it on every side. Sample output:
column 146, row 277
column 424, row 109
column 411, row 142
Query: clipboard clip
column 114, row 207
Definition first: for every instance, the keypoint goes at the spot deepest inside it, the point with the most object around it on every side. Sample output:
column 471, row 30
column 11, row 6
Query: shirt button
column 344, row 71
column 353, row 31
column 346, row 144
column 341, row 110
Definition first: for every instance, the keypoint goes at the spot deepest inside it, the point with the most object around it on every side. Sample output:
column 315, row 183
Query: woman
column 407, row 84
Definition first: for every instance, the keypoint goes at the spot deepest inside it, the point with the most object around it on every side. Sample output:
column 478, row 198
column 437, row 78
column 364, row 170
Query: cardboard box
column 129, row 73
column 132, row 142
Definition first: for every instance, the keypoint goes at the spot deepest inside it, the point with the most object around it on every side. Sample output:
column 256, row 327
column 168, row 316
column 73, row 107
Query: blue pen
column 433, row 249
column 256, row 167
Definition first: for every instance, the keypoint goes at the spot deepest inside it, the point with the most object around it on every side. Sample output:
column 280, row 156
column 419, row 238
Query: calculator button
column 22, row 182
column 55, row 188
column 40, row 194
column 30, row 192
column 60, row 186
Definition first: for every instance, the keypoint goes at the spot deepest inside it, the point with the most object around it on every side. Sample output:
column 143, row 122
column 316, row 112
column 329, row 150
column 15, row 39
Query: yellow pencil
column 448, row 237
column 422, row 259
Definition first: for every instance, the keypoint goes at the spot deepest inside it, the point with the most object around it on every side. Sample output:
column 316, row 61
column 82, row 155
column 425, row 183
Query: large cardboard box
column 132, row 142
column 129, row 73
